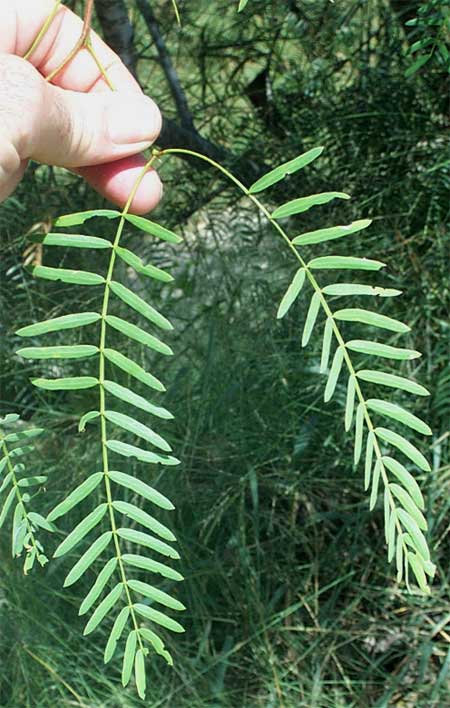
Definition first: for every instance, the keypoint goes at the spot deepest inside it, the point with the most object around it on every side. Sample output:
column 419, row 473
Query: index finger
column 23, row 21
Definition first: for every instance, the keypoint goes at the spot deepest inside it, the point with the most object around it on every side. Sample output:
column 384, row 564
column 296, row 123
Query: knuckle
column 21, row 100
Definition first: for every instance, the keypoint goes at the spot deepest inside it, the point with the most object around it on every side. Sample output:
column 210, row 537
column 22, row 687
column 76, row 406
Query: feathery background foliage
column 290, row 600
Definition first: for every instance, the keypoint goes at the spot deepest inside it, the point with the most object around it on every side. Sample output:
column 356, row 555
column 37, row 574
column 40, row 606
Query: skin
column 75, row 121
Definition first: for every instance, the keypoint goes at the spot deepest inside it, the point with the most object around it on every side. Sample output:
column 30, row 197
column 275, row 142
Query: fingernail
column 133, row 120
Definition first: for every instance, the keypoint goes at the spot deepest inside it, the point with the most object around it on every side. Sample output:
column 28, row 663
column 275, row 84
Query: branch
column 117, row 30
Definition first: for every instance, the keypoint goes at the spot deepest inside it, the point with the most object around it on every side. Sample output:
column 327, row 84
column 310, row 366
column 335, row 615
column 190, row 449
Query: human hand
column 77, row 122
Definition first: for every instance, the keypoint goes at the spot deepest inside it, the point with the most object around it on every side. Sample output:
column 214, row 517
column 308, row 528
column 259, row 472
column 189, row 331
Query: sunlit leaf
column 74, row 351
column 82, row 216
column 291, row 293
column 134, row 369
column 68, row 384
column 355, row 314
column 80, row 531
column 406, row 479
column 127, row 450
column 350, row 402
column 344, row 263
column 375, row 483
column 311, row 317
column 383, row 350
column 72, row 241
column 348, row 289
column 144, row 539
column 137, row 303
column 409, row 505
column 128, row 658
column 398, row 382
column 287, row 168
column 330, row 234
column 326, row 345
column 135, row 262
column 141, row 517
column 116, row 633
column 156, row 595
column 415, row 533
column 134, row 399
column 74, row 498
column 158, row 617
column 154, row 229
column 359, row 421
column 104, row 607
column 334, row 373
column 298, row 206
column 139, row 673
column 88, row 558
column 98, row 587
column 133, row 332
column 152, row 566
column 77, row 277
column 141, row 488
column 58, row 323
column 137, row 428
column 404, row 446
column 391, row 410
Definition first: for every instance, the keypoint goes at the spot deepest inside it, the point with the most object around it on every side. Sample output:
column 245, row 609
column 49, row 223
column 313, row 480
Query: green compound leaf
column 98, row 587
column 88, row 558
column 384, row 350
column 330, row 234
column 416, row 535
column 139, row 673
column 344, row 263
column 74, row 498
column 398, row 413
column 80, row 217
column 144, row 539
column 80, row 531
column 76, row 351
column 350, row 402
column 152, row 566
column 116, row 633
column 406, row 479
column 58, row 323
column 348, row 289
column 73, row 241
column 138, row 334
column 404, row 446
column 158, row 617
column 128, row 658
column 298, row 206
column 76, row 277
column 311, row 317
column 104, row 607
column 354, row 314
column 326, row 345
column 335, row 370
column 137, row 303
column 287, row 168
column 73, row 383
column 139, row 429
column 398, row 382
column 135, row 262
column 154, row 229
column 127, row 450
column 408, row 504
column 141, row 488
column 134, row 369
column 141, row 517
column 291, row 293
column 156, row 595
column 124, row 394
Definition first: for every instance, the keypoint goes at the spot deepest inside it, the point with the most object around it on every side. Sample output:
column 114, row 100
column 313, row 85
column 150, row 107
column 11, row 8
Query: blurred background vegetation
column 290, row 598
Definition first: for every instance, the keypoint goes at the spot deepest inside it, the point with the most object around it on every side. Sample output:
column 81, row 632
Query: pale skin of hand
column 75, row 121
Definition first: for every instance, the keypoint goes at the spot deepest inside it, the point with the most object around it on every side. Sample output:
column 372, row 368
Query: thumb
column 66, row 128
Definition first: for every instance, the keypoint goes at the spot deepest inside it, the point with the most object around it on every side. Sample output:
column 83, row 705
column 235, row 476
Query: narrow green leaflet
column 138, row 334
column 348, row 289
column 58, row 323
column 68, row 384
column 7, row 479
column 416, row 563
column 152, row 566
column 399, row 558
column 135, row 262
column 391, row 410
column 406, row 479
column 32, row 481
column 80, row 531
column 98, row 587
column 88, row 558
column 384, row 350
column 359, row 427
column 128, row 659
column 137, row 303
column 355, row 314
column 134, row 369
column 143, row 455
column 335, row 370
column 144, row 539
column 7, row 506
column 74, row 498
column 139, row 429
column 409, row 505
column 398, row 382
column 141, row 517
column 404, row 446
column 331, row 234
column 375, row 483
column 242, row 4
column 344, row 263
column 104, row 607
column 291, row 293
column 77, row 277
column 311, row 317
column 116, row 633
column 23, row 435
column 350, row 402
column 298, row 206
column 73, row 241
column 416, row 535
column 139, row 673
column 390, row 529
column 287, row 168
column 154, row 229
column 157, row 644
column 86, row 418
column 157, row 595
column 326, row 345
column 141, row 488
column 82, row 216
column 124, row 394
column 76, row 351
column 368, row 459
column 158, row 617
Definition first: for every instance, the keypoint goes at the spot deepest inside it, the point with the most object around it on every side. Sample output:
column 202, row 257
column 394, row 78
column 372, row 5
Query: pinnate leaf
column 326, row 345
column 128, row 658
column 143, row 455
column 135, row 262
column 406, row 479
column 348, row 289
column 73, row 241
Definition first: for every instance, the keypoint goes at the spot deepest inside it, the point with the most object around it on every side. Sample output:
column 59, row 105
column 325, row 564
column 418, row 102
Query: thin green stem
column 101, row 377
column 43, row 30
column 324, row 304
